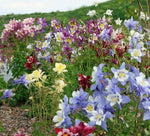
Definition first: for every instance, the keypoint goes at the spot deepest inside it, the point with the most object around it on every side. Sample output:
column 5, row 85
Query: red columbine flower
column 30, row 60
column 63, row 132
column 84, row 81
column 120, row 36
column 82, row 129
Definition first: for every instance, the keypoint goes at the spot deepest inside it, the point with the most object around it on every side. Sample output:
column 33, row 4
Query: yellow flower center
column 59, row 38
column 69, row 40
column 114, row 99
column 65, row 134
column 121, row 75
column 136, row 53
column 98, row 117
column 89, row 108
column 143, row 82
column 59, row 119
column 101, row 25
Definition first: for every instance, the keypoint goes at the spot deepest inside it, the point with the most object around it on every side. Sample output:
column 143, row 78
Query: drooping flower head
column 7, row 93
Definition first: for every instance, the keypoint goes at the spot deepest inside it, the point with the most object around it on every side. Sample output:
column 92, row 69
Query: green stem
column 136, row 121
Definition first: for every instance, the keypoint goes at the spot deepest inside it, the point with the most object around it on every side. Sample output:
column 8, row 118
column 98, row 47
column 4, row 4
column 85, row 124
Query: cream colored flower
column 60, row 68
column 59, row 85
column 37, row 74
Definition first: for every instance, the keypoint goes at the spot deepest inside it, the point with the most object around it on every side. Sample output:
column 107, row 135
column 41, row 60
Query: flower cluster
column 17, row 29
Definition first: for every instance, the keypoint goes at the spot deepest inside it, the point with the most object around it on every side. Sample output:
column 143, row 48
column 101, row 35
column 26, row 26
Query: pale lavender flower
column 7, row 93
column 131, row 24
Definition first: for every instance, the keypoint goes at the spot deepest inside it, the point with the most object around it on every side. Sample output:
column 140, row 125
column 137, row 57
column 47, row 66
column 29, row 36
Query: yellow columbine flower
column 60, row 68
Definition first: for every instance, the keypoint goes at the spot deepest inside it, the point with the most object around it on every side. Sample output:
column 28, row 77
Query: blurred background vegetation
column 121, row 8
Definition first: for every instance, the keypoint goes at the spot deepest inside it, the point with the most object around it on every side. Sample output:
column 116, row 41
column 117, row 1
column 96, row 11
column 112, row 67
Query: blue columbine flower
column 7, row 93
column 79, row 99
column 148, row 43
column 105, row 35
column 120, row 75
column 117, row 98
column 146, row 106
column 22, row 81
column 136, row 53
column 131, row 24
column 101, row 82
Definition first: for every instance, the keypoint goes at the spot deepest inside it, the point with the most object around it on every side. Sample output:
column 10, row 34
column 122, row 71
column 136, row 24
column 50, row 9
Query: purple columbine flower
column 79, row 99
column 131, row 24
column 148, row 43
column 105, row 35
column 7, row 93
column 146, row 106
column 22, row 81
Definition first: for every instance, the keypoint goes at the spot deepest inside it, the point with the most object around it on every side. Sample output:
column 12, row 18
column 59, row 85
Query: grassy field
column 122, row 9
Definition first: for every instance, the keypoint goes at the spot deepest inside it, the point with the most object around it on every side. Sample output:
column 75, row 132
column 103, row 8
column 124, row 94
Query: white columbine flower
column 118, row 21
column 142, row 15
column 89, row 108
column 121, row 75
column 98, row 117
column 134, row 33
column 59, row 118
column 136, row 54
column 45, row 44
column 91, row 13
column 109, row 12
column 142, row 81
column 114, row 98
column 94, row 76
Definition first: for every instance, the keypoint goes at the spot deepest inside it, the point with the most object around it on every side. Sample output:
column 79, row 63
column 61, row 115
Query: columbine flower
column 59, row 118
column 98, row 117
column 142, row 81
column 63, row 132
column 91, row 13
column 142, row 15
column 23, row 80
column 118, row 21
column 109, row 12
column 60, row 68
column 146, row 106
column 30, row 61
column 94, row 74
column 130, row 24
column 121, row 75
column 82, row 129
column 79, row 99
column 37, row 74
column 59, row 85
column 7, row 93
column 84, row 81
column 89, row 108
column 117, row 99
column 136, row 54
